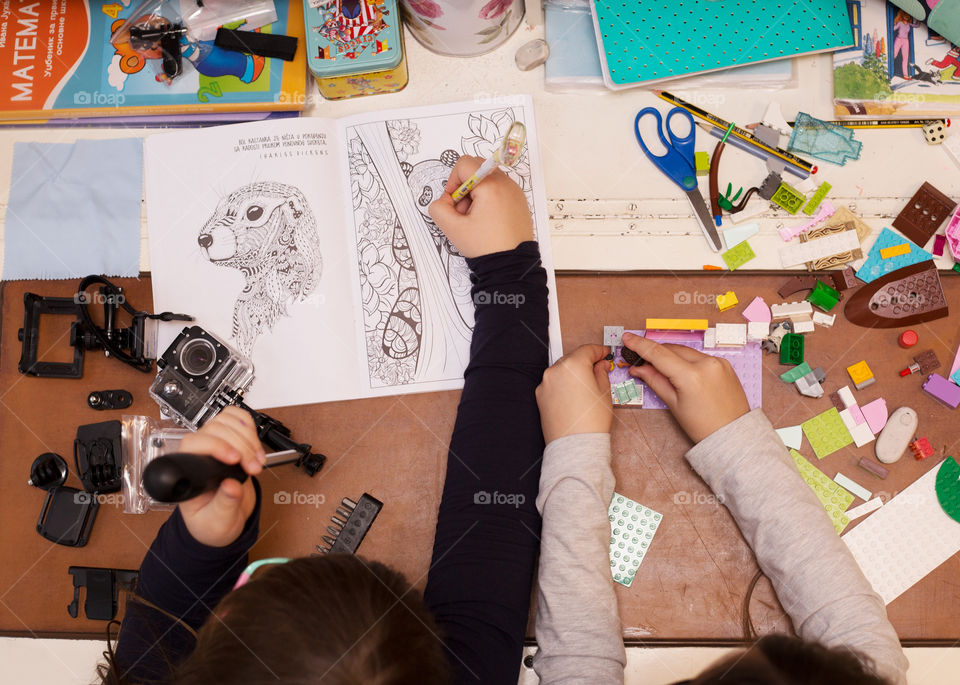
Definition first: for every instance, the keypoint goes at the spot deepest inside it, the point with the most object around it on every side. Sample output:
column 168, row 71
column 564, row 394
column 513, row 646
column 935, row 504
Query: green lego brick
column 835, row 499
column 791, row 349
column 826, row 433
column 738, row 255
column 789, row 198
column 796, row 373
column 956, row 267
column 627, row 392
column 817, row 198
column 632, row 527
column 948, row 487
column 823, row 296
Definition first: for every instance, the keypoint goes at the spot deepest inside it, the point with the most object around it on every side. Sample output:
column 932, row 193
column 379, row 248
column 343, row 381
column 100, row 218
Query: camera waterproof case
column 199, row 375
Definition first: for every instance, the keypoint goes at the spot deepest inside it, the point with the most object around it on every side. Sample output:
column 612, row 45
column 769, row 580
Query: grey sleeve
column 816, row 579
column 578, row 623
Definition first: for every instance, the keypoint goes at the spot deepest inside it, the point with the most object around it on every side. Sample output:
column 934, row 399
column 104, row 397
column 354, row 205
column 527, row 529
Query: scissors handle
column 678, row 161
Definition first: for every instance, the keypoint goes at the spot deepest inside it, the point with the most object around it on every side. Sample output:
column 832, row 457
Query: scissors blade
column 706, row 219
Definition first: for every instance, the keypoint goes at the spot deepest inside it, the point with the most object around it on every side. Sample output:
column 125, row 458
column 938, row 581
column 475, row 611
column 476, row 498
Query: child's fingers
column 686, row 353
column 208, row 442
column 662, row 357
column 445, row 214
column 226, row 501
column 243, row 423
column 246, row 448
column 588, row 354
column 659, row 383
column 465, row 167
column 600, row 372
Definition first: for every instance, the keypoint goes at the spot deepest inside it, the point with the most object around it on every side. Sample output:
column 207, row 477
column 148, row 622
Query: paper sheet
column 307, row 245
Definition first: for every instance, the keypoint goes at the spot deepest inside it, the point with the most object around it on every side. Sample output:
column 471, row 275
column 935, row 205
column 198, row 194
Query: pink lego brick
column 857, row 414
column 939, row 242
column 757, row 311
column 943, row 390
column 876, row 414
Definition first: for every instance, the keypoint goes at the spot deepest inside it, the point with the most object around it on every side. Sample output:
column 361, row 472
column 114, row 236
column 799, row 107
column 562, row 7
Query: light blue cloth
column 74, row 209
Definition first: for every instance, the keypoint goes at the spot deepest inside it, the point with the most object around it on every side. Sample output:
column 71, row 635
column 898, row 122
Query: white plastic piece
column 737, row 234
column 789, row 310
column 710, row 339
column 802, row 324
column 853, row 486
column 613, row 336
column 532, row 54
column 800, row 253
column 860, row 432
column 731, row 334
column 824, row 319
column 809, row 386
column 754, row 208
column 757, row 330
column 792, row 436
column 864, row 509
column 896, row 435
column 847, row 419
column 846, row 396
column 905, row 540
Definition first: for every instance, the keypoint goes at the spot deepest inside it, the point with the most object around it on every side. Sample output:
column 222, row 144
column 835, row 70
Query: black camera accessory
column 350, row 524
column 97, row 454
column 109, row 399
column 67, row 516
column 145, row 37
column 256, row 43
column 34, row 306
column 181, row 476
column 103, row 585
column 48, row 471
column 273, row 433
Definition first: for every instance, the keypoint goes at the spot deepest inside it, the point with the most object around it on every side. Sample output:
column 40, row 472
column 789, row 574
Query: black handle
column 178, row 477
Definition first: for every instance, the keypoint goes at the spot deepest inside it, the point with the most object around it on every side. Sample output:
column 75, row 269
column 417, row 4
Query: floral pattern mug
column 462, row 28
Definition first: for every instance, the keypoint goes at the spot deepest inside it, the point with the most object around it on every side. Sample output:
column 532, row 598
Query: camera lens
column 197, row 357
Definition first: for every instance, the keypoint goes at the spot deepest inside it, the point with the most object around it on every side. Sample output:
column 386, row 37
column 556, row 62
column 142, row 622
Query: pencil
column 755, row 151
column 738, row 132
column 887, row 123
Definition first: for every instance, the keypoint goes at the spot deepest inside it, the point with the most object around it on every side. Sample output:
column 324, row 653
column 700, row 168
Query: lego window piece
column 823, row 140
column 632, row 527
column 905, row 540
column 826, row 433
column 731, row 334
column 834, row 498
column 876, row 266
column 924, row 214
column 948, row 488
column 738, row 255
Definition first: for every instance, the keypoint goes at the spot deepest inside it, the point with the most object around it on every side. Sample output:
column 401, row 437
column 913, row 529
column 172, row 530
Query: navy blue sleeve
column 186, row 579
column 487, row 538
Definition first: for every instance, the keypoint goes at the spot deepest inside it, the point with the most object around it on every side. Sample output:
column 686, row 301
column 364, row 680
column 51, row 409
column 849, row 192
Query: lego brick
column 727, row 300
column 956, row 363
column 809, row 386
column 862, row 435
column 904, row 540
column 823, row 296
column 613, row 336
column 819, row 374
column 788, row 310
column 875, row 266
column 846, row 396
column 795, row 284
column 677, row 324
column 924, row 214
column 788, row 197
column 875, row 414
column 758, row 311
column 896, row 435
column 632, row 527
column 796, row 372
column 940, row 388
column 835, row 500
column 844, row 279
column 952, row 234
column 816, row 198
column 792, row 436
column 861, row 375
column 826, row 433
column 836, row 401
column 905, row 297
column 955, row 377
column 939, row 242
column 770, row 186
column 873, row 468
column 864, row 509
column 823, row 140
column 738, row 255
column 731, row 334
column 847, row 419
column 627, row 393
column 921, row 449
column 820, row 248
column 927, row 362
column 757, row 331
column 710, row 339
column 825, row 320
column 737, row 234
column 895, row 251
column 788, row 233
column 791, row 349
column 701, row 161
column 948, row 488
column 851, row 485
column 856, row 414
column 802, row 324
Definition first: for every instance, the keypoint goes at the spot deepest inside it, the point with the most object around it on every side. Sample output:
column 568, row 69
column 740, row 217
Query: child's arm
column 578, row 624
column 486, row 543
column 744, row 462
column 197, row 556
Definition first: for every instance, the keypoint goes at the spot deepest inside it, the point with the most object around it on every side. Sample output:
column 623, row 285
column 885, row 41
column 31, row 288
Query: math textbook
column 57, row 62
column 897, row 66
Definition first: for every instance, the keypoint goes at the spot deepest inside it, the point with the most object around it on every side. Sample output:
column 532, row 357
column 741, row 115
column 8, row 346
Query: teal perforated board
column 641, row 42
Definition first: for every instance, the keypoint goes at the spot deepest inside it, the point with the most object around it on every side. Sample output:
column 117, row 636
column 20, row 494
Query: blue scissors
column 678, row 165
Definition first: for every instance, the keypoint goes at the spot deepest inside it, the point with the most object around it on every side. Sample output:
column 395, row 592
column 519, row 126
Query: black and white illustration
column 415, row 286
column 268, row 233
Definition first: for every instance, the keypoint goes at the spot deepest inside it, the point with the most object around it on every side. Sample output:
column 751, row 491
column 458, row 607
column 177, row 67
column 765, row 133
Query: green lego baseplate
column 835, row 499
column 826, row 433
column 632, row 527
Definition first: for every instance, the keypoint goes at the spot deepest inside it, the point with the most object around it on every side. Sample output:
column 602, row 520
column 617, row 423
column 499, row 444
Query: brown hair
column 335, row 619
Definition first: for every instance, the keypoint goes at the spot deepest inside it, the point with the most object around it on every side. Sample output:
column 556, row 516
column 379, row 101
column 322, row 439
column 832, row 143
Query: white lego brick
column 847, row 419
column 800, row 253
column 861, row 434
column 802, row 324
column 846, row 396
column 731, row 334
column 824, row 319
column 613, row 336
column 864, row 509
column 808, row 386
column 852, row 486
column 757, row 330
column 754, row 208
column 789, row 310
column 792, row 436
column 710, row 339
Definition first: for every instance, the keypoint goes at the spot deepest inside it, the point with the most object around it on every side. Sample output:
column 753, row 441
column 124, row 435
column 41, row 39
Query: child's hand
column 217, row 518
column 703, row 392
column 574, row 396
column 494, row 217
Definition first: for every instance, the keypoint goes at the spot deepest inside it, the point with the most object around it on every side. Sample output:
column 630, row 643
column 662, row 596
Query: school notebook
column 647, row 42
column 307, row 244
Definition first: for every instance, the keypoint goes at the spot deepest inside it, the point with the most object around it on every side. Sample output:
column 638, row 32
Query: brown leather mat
column 691, row 584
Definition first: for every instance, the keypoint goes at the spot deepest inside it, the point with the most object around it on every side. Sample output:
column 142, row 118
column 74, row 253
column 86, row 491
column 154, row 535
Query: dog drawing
column 267, row 231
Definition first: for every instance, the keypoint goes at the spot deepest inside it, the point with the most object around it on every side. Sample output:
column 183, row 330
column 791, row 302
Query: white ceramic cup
column 462, row 28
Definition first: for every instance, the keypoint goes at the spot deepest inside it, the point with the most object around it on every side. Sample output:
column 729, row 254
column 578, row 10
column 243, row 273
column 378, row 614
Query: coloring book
column 307, row 245
column 897, row 67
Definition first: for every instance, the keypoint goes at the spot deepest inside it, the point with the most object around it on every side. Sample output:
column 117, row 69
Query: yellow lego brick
column 894, row 251
column 859, row 373
column 677, row 324
column 726, row 301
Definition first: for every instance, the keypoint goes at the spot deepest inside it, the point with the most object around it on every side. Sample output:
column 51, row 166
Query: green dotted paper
column 650, row 41
column 738, row 255
column 948, row 488
column 835, row 499
column 632, row 527
column 827, row 433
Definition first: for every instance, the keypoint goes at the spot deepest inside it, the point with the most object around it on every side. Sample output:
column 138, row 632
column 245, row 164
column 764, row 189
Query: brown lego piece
column 904, row 297
column 927, row 361
column 833, row 261
column 924, row 214
column 837, row 402
column 796, row 284
column 845, row 279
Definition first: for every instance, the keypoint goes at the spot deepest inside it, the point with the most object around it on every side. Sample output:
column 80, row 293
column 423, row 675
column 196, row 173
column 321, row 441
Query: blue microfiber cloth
column 74, row 209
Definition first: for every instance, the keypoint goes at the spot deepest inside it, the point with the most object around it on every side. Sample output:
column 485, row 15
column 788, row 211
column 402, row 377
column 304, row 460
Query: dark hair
column 784, row 660
column 335, row 619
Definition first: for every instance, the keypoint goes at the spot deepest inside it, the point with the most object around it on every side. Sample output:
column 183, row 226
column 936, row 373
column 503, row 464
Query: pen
column 507, row 154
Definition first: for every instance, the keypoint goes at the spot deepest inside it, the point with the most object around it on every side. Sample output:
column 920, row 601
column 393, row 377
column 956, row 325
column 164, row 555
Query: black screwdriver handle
column 180, row 476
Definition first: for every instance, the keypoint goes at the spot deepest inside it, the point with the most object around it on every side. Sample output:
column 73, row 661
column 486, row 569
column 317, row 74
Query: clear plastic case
column 144, row 439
